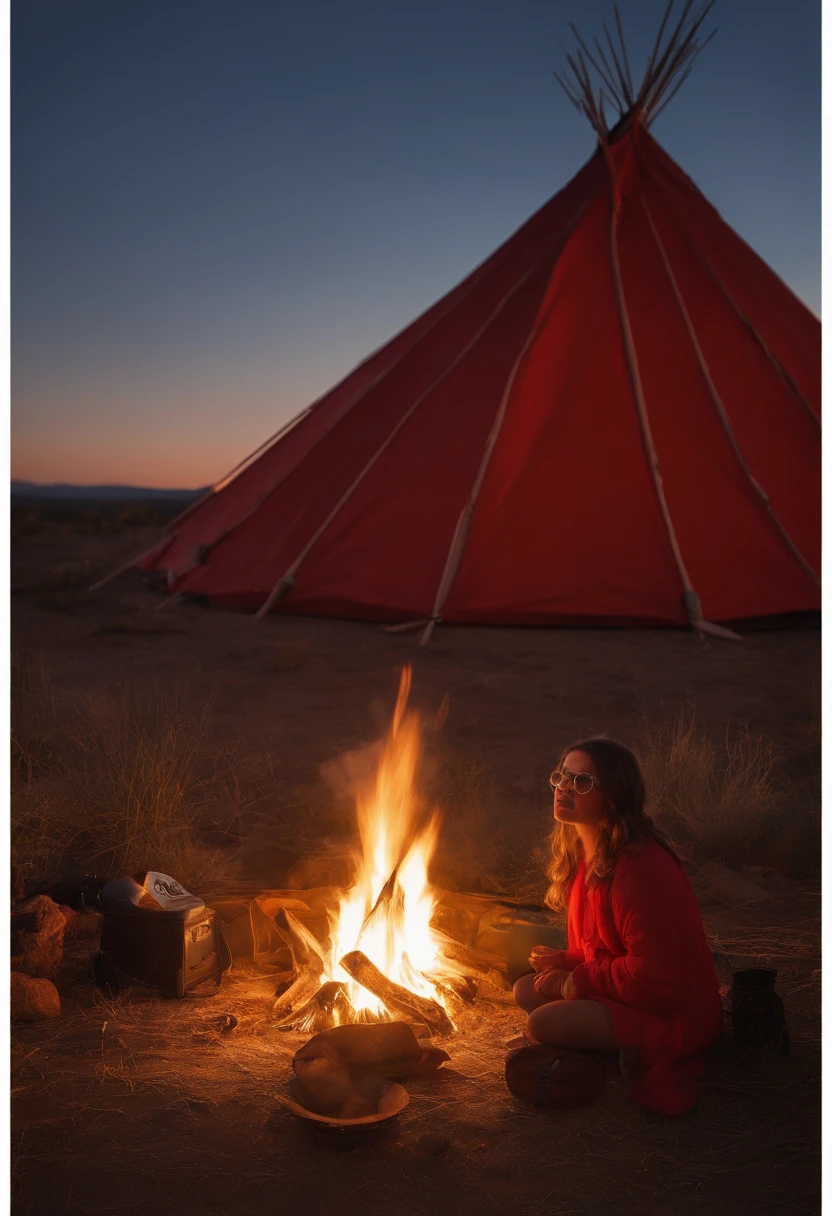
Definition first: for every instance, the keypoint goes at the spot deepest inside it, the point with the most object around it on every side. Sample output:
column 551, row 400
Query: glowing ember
column 387, row 913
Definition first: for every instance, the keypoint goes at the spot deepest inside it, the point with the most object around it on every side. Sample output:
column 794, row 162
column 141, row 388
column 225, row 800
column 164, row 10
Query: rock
column 38, row 927
column 33, row 1000
column 715, row 883
column 81, row 926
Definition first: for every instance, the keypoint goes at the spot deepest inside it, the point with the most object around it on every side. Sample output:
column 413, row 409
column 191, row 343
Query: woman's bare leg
column 525, row 995
column 578, row 1025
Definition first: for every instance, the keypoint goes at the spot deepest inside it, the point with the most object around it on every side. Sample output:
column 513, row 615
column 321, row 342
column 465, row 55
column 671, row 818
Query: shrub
column 116, row 780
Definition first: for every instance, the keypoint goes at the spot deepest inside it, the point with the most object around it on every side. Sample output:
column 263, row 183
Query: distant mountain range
column 61, row 490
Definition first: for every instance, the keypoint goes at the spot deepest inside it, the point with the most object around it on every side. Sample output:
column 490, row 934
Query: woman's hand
column 552, row 983
column 544, row 958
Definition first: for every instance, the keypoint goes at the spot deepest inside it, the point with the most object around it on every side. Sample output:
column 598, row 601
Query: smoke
column 346, row 775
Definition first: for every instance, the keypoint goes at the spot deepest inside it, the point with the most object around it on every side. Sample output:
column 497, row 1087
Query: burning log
column 463, row 986
column 420, row 1030
column 329, row 1003
column 307, row 964
column 298, row 993
column 305, row 947
column 467, row 957
column 398, row 1000
column 450, row 997
column 285, row 979
column 390, row 912
column 386, row 897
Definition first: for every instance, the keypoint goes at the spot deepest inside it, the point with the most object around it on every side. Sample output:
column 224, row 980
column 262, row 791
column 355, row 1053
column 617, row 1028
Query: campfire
column 384, row 959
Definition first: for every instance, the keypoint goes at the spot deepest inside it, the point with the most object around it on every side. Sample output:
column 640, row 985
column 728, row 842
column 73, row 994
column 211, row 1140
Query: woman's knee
column 580, row 1025
column 543, row 1028
column 525, row 995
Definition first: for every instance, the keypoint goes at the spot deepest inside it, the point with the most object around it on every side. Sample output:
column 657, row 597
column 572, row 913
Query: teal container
column 515, row 942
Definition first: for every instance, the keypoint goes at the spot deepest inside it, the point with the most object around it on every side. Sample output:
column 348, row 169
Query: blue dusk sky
column 220, row 206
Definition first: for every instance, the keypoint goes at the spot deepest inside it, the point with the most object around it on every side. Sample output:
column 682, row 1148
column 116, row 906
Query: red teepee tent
column 615, row 418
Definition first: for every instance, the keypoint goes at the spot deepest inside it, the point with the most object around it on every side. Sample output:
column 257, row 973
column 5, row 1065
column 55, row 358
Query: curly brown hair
column 620, row 777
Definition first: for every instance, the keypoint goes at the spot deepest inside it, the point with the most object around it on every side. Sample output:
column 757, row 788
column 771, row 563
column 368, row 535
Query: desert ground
column 123, row 1104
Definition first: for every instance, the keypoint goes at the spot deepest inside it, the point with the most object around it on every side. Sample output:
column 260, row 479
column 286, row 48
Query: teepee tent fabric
column 614, row 419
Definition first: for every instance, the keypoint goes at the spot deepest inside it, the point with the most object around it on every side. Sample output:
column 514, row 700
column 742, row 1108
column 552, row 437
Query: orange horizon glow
column 46, row 471
column 163, row 441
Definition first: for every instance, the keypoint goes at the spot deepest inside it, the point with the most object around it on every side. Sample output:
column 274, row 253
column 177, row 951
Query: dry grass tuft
column 62, row 516
column 116, row 780
column 719, row 798
column 64, row 576
column 522, row 871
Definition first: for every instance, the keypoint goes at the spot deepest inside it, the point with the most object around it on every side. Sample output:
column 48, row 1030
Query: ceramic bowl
column 391, row 1102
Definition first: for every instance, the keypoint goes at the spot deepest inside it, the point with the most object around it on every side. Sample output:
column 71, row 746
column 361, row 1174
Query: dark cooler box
column 154, row 932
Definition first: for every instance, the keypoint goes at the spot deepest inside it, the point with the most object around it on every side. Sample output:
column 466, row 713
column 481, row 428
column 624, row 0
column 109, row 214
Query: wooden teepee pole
column 623, row 46
column 690, row 599
column 719, row 408
column 667, row 67
column 625, row 88
column 651, row 62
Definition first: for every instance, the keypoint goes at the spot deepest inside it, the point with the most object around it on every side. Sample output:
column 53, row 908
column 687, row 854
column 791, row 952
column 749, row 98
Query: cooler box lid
column 148, row 895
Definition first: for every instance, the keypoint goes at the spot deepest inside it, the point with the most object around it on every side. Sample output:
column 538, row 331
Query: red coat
column 637, row 944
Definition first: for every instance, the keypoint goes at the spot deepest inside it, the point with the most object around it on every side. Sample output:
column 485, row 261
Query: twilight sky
column 220, row 206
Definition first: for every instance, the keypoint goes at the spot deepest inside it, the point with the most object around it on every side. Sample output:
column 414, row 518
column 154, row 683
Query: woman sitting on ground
column 638, row 976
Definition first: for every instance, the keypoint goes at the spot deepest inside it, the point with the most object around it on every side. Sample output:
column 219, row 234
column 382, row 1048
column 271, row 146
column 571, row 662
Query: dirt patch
column 117, row 1105
column 127, row 1099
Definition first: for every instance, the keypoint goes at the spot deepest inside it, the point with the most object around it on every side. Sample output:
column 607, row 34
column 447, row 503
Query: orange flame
column 387, row 912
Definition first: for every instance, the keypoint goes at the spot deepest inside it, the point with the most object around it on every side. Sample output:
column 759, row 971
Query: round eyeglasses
column 582, row 783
